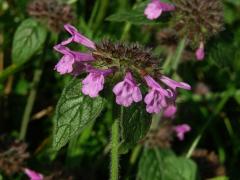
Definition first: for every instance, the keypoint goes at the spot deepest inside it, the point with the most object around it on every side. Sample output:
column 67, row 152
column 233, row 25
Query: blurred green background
column 30, row 89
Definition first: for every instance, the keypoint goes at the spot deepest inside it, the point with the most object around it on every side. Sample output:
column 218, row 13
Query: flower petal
column 170, row 111
column 136, row 95
column 65, row 65
column 153, row 11
column 181, row 130
column 200, row 52
column 33, row 175
column 174, row 84
column 78, row 37
column 118, row 88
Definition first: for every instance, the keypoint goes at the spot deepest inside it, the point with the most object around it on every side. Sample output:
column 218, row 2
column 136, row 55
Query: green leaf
column 28, row 39
column 135, row 16
column 74, row 112
column 163, row 164
column 134, row 125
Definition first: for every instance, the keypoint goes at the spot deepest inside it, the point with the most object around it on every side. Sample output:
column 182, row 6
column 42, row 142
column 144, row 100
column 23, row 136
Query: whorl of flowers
column 135, row 65
column 198, row 20
column 51, row 12
column 13, row 155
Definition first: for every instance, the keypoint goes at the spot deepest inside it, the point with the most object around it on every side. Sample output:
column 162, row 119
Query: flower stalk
column 114, row 151
column 30, row 103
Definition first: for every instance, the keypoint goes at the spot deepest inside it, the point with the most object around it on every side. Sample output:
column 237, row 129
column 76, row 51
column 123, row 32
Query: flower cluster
column 195, row 20
column 198, row 20
column 130, row 62
column 51, row 12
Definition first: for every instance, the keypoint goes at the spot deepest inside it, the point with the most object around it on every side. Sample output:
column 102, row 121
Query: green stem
column 217, row 110
column 33, row 92
column 126, row 30
column 30, row 103
column 178, row 54
column 10, row 70
column 93, row 15
column 101, row 13
column 114, row 151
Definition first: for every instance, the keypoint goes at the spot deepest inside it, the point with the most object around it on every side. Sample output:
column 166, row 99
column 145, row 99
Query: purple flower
column 65, row 65
column 77, row 37
column 174, row 84
column 127, row 91
column 170, row 111
column 156, row 98
column 155, row 8
column 200, row 52
column 181, row 130
column 94, row 82
column 33, row 175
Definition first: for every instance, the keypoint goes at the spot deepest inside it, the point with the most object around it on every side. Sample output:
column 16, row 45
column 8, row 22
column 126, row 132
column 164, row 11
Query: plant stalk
column 33, row 92
column 219, row 107
column 114, row 151
column 30, row 103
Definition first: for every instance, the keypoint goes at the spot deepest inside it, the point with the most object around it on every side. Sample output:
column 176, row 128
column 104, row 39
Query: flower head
column 52, row 13
column 156, row 98
column 197, row 20
column 155, row 8
column 127, row 91
column 118, row 59
column 33, row 175
column 200, row 52
column 181, row 130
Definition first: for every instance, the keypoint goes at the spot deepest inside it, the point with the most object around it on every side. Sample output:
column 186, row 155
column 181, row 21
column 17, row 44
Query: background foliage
column 30, row 90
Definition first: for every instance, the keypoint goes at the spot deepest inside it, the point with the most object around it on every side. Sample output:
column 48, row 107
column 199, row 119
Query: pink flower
column 94, row 82
column 181, row 130
column 77, row 37
column 200, row 52
column 174, row 84
column 127, row 91
column 156, row 98
column 33, row 175
column 170, row 111
column 65, row 65
column 155, row 8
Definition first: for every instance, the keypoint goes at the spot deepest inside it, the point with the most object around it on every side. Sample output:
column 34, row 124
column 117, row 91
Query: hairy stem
column 114, row 151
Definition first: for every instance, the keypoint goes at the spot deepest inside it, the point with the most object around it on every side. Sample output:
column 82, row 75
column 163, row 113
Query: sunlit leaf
column 162, row 164
column 74, row 112
column 28, row 39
